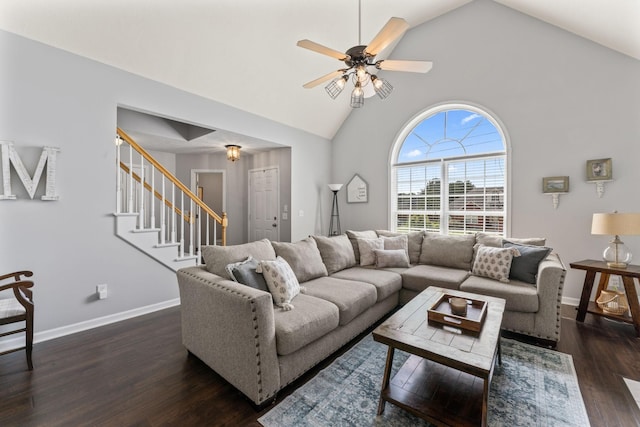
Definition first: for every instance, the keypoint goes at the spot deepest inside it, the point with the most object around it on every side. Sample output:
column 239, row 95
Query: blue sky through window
column 450, row 133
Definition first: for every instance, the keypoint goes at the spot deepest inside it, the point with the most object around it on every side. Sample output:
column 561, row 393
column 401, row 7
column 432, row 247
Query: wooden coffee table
column 447, row 380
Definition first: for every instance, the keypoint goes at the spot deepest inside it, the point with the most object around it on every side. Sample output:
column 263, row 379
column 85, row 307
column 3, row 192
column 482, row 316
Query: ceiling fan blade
column 308, row 44
column 323, row 79
column 411, row 66
column 393, row 29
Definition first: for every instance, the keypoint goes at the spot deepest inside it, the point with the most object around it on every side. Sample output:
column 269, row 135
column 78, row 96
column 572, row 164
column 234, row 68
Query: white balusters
column 191, row 221
column 118, row 177
column 181, row 225
column 152, row 200
column 130, row 198
column 141, row 195
column 173, row 213
column 162, row 216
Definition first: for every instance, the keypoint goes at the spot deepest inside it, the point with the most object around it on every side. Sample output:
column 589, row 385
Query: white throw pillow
column 366, row 247
column 494, row 263
column 281, row 280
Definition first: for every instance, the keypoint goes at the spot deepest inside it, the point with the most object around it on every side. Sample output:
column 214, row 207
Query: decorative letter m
column 48, row 157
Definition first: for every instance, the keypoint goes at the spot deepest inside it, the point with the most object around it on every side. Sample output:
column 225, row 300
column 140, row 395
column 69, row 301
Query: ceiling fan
column 360, row 58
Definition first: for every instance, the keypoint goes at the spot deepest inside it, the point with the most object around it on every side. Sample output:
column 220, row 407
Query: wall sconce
column 233, row 152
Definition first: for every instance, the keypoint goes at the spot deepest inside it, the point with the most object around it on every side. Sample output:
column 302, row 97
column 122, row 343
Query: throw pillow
column 337, row 252
column 303, row 257
column 525, row 267
column 281, row 281
column 386, row 258
column 494, row 263
column 244, row 272
column 355, row 235
column 216, row 258
column 367, row 246
column 455, row 251
column 415, row 242
column 397, row 242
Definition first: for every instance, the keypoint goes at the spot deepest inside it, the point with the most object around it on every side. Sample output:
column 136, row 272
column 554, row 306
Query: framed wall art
column 599, row 170
column 555, row 184
column 357, row 190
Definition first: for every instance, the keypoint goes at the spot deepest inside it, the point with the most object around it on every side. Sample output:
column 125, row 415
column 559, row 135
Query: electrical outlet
column 101, row 291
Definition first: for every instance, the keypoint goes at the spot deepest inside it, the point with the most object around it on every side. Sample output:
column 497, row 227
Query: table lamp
column 617, row 255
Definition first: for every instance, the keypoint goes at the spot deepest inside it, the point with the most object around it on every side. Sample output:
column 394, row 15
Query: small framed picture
column 555, row 184
column 357, row 190
column 599, row 170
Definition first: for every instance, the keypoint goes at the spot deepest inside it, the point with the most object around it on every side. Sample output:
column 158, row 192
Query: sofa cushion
column 303, row 257
column 351, row 297
column 414, row 239
column 525, row 267
column 337, row 252
column 495, row 240
column 367, row 246
column 391, row 258
column 420, row 277
column 397, row 242
column 520, row 296
column 216, row 258
column 493, row 263
column 353, row 238
column 312, row 318
column 244, row 272
column 386, row 282
column 455, row 251
column 281, row 281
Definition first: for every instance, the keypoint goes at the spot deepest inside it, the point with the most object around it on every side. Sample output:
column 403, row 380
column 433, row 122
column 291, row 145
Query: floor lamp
column 334, row 225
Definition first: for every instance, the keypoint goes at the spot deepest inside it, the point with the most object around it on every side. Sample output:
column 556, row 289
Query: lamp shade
column 616, row 223
column 335, row 187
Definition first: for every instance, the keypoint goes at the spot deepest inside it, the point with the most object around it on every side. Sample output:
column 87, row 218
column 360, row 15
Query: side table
column 628, row 275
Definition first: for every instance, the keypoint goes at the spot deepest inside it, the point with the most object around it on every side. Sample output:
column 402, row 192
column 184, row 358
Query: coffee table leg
column 385, row 378
column 499, row 351
column 485, row 402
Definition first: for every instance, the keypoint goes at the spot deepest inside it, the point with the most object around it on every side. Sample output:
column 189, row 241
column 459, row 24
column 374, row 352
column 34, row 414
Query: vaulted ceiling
column 243, row 52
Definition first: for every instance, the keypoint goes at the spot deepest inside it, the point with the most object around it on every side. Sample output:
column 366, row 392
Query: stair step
column 146, row 230
column 166, row 245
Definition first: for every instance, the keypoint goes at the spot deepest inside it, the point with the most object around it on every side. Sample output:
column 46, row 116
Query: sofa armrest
column 550, row 282
column 231, row 328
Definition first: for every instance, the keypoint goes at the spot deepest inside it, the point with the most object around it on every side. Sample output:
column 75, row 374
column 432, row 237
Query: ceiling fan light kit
column 358, row 59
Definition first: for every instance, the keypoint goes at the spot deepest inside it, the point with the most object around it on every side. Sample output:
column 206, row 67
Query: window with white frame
column 448, row 173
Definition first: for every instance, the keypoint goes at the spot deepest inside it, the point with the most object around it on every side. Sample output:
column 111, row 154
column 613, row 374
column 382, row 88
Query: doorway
column 264, row 202
column 209, row 186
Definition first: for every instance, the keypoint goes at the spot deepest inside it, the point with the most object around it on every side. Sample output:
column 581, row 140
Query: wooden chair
column 18, row 309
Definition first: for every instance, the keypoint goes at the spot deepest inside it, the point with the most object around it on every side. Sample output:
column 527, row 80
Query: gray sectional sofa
column 261, row 342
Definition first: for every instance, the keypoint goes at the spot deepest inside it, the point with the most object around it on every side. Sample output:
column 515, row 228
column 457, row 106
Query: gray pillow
column 386, row 258
column 245, row 273
column 216, row 258
column 415, row 242
column 355, row 235
column 397, row 242
column 367, row 246
column 303, row 257
column 525, row 267
column 337, row 252
column 455, row 251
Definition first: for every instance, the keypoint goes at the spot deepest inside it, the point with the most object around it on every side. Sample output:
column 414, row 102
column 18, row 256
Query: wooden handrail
column 169, row 175
column 158, row 195
column 222, row 220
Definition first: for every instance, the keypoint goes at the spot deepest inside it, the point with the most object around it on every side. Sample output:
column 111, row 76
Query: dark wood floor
column 136, row 373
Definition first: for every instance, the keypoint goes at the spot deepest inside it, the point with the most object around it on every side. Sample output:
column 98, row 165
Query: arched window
column 449, row 173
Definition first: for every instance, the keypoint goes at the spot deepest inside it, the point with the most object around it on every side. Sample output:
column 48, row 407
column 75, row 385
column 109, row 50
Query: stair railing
column 139, row 194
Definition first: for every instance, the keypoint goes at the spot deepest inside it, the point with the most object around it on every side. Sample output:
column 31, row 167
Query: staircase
column 150, row 210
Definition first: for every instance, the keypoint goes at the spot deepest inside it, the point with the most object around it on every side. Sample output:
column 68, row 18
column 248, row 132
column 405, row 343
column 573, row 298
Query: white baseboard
column 571, row 301
column 50, row 334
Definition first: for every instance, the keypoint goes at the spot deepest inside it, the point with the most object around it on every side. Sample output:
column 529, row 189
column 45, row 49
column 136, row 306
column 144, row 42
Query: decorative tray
column 440, row 314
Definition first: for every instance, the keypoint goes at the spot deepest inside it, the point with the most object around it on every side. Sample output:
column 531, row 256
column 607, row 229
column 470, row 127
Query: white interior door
column 264, row 222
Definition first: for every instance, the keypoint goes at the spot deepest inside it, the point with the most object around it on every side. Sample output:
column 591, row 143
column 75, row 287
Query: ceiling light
column 357, row 96
column 336, row 86
column 382, row 87
column 233, row 152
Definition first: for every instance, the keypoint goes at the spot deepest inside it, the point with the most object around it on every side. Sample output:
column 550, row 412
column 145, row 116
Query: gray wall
column 51, row 97
column 563, row 100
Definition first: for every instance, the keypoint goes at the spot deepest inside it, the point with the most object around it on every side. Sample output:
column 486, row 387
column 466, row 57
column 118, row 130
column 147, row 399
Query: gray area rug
column 533, row 387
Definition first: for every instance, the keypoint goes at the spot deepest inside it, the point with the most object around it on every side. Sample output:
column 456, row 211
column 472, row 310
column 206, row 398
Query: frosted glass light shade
column 335, row 187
